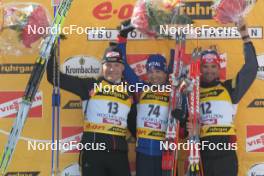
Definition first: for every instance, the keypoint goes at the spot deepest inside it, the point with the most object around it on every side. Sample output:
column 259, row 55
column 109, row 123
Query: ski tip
column 2, row 160
column 2, row 171
column 196, row 54
column 5, row 160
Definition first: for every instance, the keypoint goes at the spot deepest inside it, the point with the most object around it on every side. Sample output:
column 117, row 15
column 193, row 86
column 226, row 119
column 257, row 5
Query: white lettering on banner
column 254, row 32
column 82, row 66
column 255, row 142
column 111, row 34
column 11, row 107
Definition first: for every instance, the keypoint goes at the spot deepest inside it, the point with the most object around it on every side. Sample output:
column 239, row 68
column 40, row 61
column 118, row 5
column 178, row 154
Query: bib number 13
column 112, row 107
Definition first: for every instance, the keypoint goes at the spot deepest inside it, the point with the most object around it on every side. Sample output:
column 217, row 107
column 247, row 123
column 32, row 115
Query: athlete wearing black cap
column 107, row 116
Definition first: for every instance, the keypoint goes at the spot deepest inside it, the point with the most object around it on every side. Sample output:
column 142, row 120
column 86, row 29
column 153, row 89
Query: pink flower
column 170, row 4
column 140, row 19
column 229, row 11
column 37, row 19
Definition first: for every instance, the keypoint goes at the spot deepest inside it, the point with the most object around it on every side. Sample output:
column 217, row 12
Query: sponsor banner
column 82, row 66
column 198, row 10
column 260, row 74
column 257, row 103
column 13, row 68
column 73, row 134
column 31, row 173
column 106, row 10
column 256, row 170
column 73, row 104
column 111, row 34
column 137, row 62
column 9, row 104
column 255, row 138
column 71, row 170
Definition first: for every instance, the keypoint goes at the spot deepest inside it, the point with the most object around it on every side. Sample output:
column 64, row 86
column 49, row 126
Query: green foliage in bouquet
column 158, row 17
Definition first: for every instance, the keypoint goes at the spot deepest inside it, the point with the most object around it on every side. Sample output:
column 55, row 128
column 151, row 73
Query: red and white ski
column 194, row 159
column 170, row 156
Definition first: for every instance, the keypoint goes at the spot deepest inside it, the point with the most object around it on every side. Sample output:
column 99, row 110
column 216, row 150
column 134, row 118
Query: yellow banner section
column 106, row 14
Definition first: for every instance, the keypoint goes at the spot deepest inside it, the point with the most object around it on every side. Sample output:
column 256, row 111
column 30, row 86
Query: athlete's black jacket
column 236, row 88
column 82, row 87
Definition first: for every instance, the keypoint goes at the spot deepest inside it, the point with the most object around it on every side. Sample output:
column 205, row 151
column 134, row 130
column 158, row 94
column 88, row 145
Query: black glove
column 52, row 62
column 125, row 28
column 113, row 43
column 179, row 115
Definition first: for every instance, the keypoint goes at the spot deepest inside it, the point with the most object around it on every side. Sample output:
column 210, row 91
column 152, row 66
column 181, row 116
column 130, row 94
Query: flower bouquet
column 230, row 11
column 149, row 15
column 19, row 28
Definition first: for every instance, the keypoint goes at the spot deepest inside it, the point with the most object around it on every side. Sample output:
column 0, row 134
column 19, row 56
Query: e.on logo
column 105, row 10
column 195, row 10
